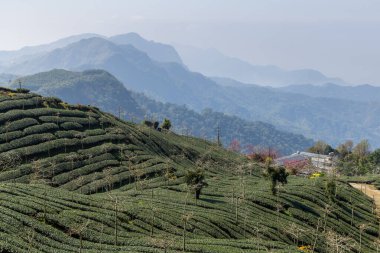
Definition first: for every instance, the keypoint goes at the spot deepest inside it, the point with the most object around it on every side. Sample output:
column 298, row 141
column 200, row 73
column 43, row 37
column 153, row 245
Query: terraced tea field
column 75, row 179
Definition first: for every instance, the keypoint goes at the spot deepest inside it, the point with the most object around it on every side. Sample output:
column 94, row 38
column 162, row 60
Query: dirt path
column 371, row 192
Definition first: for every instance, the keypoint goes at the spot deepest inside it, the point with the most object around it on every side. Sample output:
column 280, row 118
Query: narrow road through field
column 371, row 192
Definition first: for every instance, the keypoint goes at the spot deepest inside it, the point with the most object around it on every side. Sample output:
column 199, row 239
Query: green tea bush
column 18, row 125
column 42, row 128
column 71, row 125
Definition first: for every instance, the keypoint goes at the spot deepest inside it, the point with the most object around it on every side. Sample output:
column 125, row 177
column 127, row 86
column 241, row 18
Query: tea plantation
column 75, row 179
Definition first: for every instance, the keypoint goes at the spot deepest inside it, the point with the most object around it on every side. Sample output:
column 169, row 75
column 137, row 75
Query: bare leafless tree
column 79, row 183
column 376, row 243
column 163, row 242
column 295, row 232
column 81, row 136
column 78, row 230
column 108, row 178
column 316, row 235
column 10, row 160
column 30, row 237
column 185, row 220
column 362, row 229
column 116, row 210
column 7, row 125
column 337, row 243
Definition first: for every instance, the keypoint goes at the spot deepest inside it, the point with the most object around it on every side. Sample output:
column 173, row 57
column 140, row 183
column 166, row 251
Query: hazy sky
column 341, row 38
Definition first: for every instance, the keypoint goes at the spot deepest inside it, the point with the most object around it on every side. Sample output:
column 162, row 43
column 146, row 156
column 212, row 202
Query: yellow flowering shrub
column 315, row 175
column 64, row 105
column 11, row 94
column 305, row 248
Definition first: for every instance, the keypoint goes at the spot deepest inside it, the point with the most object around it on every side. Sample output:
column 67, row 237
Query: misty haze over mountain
column 337, row 38
column 304, row 86
column 318, row 109
column 211, row 62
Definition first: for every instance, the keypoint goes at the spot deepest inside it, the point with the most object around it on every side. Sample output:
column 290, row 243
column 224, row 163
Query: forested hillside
column 101, row 89
column 231, row 128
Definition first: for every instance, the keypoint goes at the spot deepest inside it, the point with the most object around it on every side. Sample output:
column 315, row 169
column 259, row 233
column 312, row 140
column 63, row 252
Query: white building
column 320, row 162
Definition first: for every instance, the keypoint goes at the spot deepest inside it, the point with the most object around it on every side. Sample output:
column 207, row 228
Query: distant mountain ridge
column 168, row 82
column 6, row 79
column 207, row 61
column 331, row 119
column 8, row 58
column 361, row 93
column 101, row 89
column 211, row 62
column 156, row 51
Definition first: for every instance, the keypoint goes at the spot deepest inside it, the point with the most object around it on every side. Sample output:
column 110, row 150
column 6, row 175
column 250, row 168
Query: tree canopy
column 195, row 180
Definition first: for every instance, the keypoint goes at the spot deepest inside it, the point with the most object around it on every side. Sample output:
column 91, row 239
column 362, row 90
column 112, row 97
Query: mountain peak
column 157, row 51
column 128, row 36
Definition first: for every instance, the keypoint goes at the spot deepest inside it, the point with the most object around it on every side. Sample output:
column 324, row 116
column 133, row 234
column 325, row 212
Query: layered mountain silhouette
column 331, row 119
column 6, row 79
column 101, row 89
column 14, row 57
column 156, row 51
column 211, row 62
column 361, row 93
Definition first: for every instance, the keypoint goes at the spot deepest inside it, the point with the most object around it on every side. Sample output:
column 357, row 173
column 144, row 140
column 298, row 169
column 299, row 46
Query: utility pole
column 218, row 136
column 19, row 83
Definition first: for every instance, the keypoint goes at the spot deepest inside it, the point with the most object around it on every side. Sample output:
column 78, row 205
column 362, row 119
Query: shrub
column 330, row 188
column 277, row 175
column 71, row 125
column 195, row 179
column 22, row 90
column 166, row 124
column 43, row 128
column 18, row 124
column 148, row 123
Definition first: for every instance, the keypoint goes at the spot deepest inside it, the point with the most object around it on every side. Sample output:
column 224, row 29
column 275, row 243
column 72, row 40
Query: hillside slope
column 101, row 89
column 232, row 128
column 92, row 87
column 76, row 179
column 331, row 119
column 45, row 138
column 151, row 219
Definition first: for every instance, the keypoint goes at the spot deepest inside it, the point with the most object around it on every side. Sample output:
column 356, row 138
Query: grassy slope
column 42, row 208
